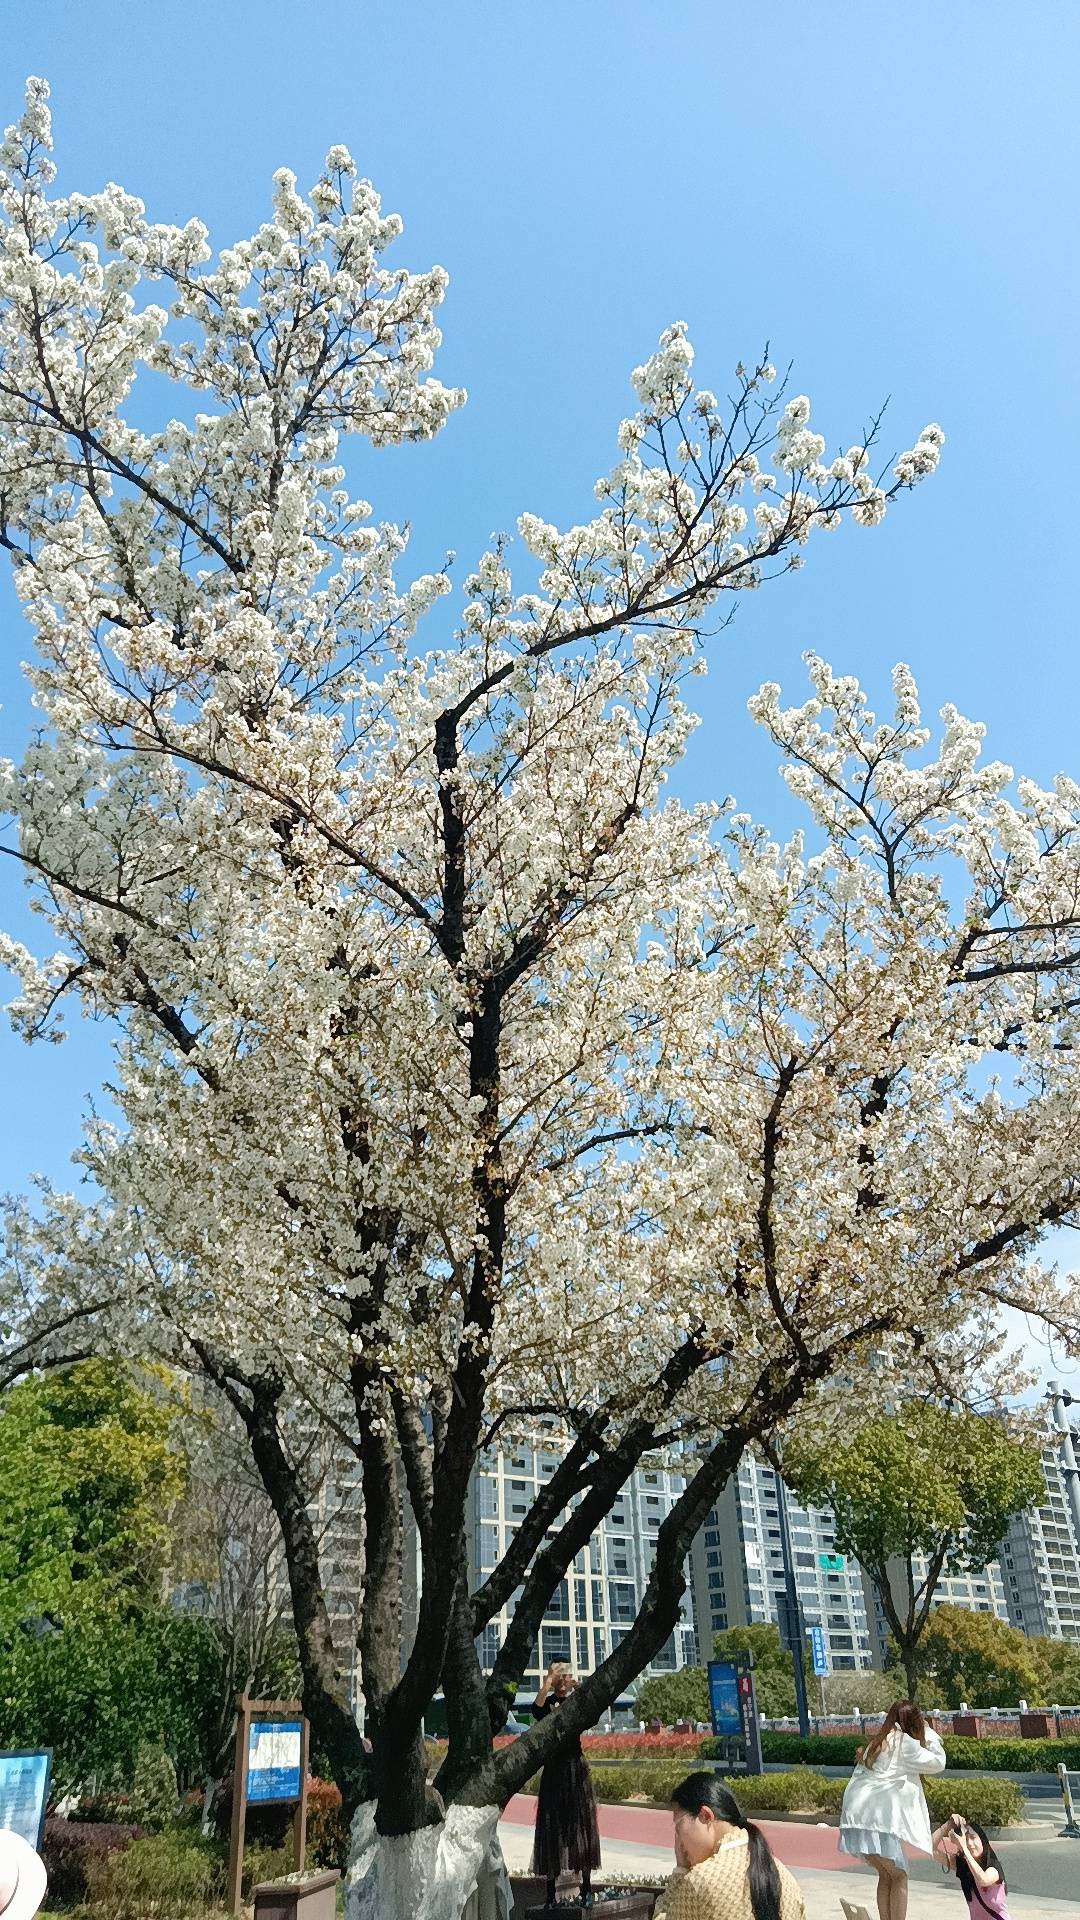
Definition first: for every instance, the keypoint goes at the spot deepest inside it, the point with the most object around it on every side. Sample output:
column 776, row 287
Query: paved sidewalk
column 809, row 1851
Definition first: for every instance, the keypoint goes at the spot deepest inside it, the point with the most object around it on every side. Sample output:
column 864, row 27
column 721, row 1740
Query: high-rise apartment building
column 738, row 1568
column 595, row 1605
column 1040, row 1559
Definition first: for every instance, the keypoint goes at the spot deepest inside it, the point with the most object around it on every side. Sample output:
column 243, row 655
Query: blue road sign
column 817, row 1650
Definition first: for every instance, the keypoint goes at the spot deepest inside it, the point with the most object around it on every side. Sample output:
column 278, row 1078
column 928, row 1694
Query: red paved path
column 795, row 1845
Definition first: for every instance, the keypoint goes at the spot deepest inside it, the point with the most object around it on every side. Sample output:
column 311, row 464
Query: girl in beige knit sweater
column 726, row 1870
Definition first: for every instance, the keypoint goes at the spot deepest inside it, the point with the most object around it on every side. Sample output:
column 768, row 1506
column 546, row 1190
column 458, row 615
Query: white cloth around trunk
column 888, row 1797
column 429, row 1875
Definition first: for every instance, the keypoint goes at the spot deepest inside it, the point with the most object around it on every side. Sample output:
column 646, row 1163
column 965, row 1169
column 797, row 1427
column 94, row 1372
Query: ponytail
column 706, row 1789
column 762, row 1875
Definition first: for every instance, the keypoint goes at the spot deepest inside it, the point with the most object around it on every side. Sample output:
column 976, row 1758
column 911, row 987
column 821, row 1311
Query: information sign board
column 733, row 1705
column 273, row 1766
column 24, row 1793
column 817, row 1651
column 724, row 1697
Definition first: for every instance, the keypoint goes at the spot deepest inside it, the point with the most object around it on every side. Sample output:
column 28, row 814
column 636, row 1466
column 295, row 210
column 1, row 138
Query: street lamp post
column 796, row 1635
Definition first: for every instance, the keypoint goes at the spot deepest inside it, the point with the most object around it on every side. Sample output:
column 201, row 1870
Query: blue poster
column 24, row 1793
column 817, row 1651
column 273, row 1769
column 724, row 1697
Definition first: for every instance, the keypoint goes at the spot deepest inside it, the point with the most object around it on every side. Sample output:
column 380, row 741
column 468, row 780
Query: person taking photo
column 567, row 1838
column 963, row 1848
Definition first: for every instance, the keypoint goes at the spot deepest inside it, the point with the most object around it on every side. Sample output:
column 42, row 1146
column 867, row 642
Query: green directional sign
column 831, row 1562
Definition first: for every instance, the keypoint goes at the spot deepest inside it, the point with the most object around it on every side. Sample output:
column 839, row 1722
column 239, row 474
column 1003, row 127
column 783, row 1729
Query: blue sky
column 886, row 194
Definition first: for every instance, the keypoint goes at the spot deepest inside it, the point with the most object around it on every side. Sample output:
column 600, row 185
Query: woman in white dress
column 884, row 1805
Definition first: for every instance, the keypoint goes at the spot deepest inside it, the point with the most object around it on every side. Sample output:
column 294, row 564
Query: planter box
column 1037, row 1726
column 312, row 1899
column 529, row 1895
column 632, row 1906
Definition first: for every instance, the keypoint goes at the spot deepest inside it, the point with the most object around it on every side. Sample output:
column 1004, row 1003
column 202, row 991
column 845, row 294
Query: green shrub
column 992, row 1802
column 154, row 1796
column 797, row 1792
column 638, row 1779
column 977, row 1756
column 265, row 1863
column 1012, row 1756
column 168, row 1875
column 72, row 1849
column 820, row 1750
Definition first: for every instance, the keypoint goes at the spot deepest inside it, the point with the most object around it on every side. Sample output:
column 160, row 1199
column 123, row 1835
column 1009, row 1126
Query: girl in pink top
column 963, row 1849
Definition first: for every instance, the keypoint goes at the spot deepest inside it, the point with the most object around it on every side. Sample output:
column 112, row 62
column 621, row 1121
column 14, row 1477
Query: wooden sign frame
column 248, row 1710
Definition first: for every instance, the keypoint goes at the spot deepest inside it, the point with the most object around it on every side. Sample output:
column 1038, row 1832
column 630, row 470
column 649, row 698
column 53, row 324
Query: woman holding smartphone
column 963, row 1848
column 567, row 1838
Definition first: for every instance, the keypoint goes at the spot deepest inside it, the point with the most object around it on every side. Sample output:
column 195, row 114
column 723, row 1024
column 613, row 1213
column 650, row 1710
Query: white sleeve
column 923, row 1759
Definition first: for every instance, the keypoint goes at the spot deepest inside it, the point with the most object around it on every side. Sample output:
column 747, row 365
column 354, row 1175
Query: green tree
column 858, row 1692
column 977, row 1658
column 918, row 1493
column 88, row 1478
column 1058, row 1662
column 668, row 1697
column 774, row 1675
column 105, row 1688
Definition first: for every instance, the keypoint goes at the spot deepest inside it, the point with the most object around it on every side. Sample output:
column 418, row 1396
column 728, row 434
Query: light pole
column 1059, row 1400
column 793, row 1610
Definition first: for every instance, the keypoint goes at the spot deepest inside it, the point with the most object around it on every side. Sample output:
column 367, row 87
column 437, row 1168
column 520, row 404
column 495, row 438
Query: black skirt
column 567, row 1837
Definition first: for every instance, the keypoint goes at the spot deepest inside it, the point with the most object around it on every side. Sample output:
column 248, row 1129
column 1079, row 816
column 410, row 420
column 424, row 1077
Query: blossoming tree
column 465, row 1080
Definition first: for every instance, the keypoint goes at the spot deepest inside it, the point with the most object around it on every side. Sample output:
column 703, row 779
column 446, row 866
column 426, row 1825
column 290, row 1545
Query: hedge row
column 994, row 1803
column 981, row 1756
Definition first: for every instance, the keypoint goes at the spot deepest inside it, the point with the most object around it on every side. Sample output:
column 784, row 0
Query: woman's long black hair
column 706, row 1789
column 969, row 1886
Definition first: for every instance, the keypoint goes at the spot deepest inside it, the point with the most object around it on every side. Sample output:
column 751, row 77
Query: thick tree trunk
column 325, row 1698
column 430, row 1874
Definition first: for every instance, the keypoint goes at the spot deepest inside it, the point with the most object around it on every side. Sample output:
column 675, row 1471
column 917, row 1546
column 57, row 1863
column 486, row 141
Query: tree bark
column 325, row 1697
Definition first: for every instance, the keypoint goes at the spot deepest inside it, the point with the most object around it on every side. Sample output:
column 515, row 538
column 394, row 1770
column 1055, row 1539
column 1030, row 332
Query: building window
column 487, row 1545
column 622, row 1601
column 558, row 1607
column 555, row 1644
